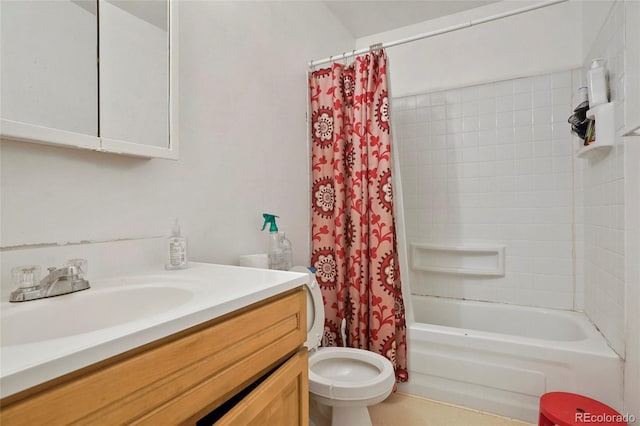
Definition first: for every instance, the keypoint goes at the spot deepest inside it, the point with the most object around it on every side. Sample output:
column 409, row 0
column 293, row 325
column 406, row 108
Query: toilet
column 345, row 379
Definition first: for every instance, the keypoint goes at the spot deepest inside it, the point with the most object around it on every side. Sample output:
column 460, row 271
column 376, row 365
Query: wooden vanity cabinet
column 179, row 379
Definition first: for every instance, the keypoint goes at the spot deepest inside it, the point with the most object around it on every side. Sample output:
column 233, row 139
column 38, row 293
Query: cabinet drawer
column 282, row 399
column 176, row 379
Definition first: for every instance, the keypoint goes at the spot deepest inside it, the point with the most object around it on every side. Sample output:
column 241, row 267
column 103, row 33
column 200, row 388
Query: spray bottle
column 287, row 253
column 276, row 254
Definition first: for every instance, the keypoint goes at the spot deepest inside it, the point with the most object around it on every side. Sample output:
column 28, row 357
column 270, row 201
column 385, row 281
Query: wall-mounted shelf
column 605, row 131
column 465, row 259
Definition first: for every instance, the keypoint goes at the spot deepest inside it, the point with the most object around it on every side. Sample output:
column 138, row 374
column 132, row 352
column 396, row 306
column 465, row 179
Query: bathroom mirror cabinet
column 92, row 74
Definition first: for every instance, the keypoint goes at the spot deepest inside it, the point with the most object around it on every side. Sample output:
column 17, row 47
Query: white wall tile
column 487, row 106
column 501, row 177
column 504, row 103
column 422, row 101
column 522, row 101
column 603, row 180
column 454, row 110
column 522, row 117
column 560, row 95
column 542, row 132
column 523, row 86
column 470, row 123
column 454, row 126
column 505, row 136
column 420, row 115
column 542, row 115
column 403, row 103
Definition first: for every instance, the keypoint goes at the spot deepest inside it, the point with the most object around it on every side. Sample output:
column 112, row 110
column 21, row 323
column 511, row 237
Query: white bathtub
column 500, row 358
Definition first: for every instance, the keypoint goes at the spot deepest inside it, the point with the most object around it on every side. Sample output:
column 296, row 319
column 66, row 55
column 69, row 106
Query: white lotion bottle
column 597, row 76
column 177, row 249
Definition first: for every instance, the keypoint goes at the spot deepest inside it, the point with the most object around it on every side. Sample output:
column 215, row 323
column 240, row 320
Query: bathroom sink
column 86, row 311
column 48, row 338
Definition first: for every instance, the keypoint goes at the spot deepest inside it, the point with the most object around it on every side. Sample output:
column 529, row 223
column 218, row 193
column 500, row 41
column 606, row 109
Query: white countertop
column 216, row 290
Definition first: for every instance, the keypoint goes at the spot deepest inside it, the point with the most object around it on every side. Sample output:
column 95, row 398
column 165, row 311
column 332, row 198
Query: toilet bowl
column 345, row 379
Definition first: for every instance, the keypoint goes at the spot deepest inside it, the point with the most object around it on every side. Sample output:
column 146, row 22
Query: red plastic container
column 570, row 409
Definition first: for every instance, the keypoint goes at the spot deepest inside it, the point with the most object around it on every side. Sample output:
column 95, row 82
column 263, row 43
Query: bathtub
column 501, row 358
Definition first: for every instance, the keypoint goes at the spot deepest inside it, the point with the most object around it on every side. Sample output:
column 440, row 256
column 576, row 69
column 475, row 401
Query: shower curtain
column 353, row 231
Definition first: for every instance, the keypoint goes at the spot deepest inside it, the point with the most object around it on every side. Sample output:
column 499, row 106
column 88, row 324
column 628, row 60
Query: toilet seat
column 315, row 310
column 335, row 373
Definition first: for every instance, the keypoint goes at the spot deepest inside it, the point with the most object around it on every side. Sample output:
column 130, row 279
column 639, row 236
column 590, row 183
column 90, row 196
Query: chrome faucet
column 67, row 279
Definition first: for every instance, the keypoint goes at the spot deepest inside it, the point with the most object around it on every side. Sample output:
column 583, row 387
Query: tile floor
column 407, row 410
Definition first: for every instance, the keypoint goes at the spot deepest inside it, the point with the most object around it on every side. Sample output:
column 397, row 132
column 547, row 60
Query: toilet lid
column 315, row 310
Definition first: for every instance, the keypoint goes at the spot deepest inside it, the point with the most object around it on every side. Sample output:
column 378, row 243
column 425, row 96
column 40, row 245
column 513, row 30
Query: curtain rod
column 457, row 27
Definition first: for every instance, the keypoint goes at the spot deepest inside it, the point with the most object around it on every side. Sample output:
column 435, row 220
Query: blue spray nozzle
column 270, row 218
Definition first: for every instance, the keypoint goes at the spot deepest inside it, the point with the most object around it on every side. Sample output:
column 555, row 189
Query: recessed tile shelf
column 605, row 131
column 465, row 259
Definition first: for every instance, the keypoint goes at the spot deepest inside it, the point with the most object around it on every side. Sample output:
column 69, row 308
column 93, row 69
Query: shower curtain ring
column 344, row 58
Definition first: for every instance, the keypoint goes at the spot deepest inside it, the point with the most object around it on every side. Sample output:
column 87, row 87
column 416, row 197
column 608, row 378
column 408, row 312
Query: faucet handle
column 80, row 266
column 26, row 276
column 51, row 269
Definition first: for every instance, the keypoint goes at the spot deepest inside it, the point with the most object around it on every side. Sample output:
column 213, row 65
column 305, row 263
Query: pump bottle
column 177, row 249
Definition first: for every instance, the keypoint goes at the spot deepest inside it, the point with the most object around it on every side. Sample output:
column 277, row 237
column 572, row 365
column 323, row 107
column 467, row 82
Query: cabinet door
column 48, row 72
column 139, row 77
column 282, row 399
column 134, row 74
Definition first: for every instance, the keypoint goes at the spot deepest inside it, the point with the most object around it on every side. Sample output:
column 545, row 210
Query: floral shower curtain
column 353, row 231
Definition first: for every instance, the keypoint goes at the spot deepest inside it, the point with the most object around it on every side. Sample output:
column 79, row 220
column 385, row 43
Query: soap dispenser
column 177, row 249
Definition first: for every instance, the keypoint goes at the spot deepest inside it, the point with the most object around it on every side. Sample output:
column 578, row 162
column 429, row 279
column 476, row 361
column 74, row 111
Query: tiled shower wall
column 493, row 164
column 603, row 214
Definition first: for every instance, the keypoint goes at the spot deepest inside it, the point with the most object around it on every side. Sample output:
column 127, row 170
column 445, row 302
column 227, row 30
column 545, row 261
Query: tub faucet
column 68, row 279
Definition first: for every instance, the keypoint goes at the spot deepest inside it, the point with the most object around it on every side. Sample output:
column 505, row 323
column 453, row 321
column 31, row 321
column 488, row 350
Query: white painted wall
column 243, row 107
column 594, row 15
column 536, row 42
column 242, row 145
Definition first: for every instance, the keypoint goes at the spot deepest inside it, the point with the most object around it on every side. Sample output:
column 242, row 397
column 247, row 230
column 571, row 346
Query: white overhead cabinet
column 94, row 74
column 49, row 73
